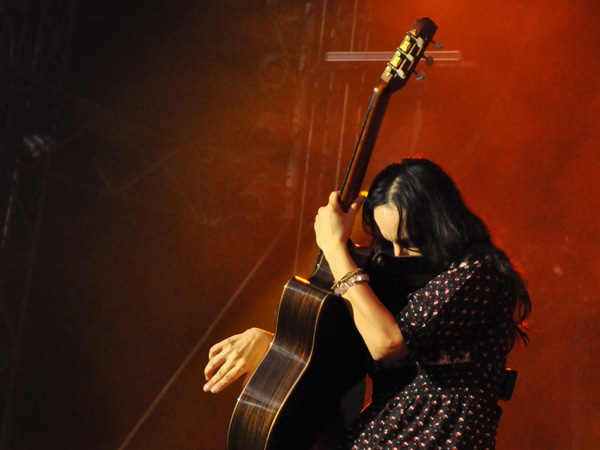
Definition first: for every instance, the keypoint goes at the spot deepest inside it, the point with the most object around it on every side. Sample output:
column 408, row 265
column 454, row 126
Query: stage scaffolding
column 34, row 53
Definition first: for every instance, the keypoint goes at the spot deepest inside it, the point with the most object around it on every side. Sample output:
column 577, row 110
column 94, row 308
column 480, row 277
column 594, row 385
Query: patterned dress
column 457, row 328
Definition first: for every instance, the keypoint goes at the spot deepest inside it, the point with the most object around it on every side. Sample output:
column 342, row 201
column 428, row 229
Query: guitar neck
column 394, row 77
column 364, row 146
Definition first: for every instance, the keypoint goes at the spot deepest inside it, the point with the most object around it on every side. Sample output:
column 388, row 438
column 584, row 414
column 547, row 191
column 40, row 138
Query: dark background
column 190, row 144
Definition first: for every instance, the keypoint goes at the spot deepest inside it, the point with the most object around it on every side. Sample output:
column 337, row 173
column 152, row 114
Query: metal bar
column 341, row 142
column 437, row 55
column 24, row 305
column 304, row 188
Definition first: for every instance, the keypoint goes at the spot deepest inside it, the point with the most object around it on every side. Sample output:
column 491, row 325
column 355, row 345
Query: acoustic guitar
column 293, row 397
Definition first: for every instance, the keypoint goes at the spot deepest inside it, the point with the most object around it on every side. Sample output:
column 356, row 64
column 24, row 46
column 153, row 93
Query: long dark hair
column 438, row 223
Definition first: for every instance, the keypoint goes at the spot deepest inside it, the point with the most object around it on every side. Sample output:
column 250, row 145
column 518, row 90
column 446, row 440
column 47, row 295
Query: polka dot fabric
column 457, row 329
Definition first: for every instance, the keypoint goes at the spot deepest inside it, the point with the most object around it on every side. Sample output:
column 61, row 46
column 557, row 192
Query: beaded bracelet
column 346, row 282
column 347, row 277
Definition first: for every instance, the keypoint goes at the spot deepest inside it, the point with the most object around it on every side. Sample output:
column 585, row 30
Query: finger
column 225, row 366
column 357, row 203
column 227, row 379
column 219, row 346
column 212, row 365
column 320, row 215
column 333, row 198
column 225, row 376
column 216, row 349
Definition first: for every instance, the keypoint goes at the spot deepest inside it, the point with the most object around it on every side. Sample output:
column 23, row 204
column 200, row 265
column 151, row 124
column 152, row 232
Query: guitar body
column 290, row 400
column 317, row 355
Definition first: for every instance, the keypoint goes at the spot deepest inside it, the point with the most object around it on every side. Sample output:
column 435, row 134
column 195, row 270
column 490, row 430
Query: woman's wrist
column 339, row 260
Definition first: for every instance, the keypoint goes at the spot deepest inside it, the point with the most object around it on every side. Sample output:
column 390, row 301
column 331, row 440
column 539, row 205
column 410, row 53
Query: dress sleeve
column 452, row 305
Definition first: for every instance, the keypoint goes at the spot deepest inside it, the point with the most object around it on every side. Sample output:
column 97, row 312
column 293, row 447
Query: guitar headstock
column 408, row 54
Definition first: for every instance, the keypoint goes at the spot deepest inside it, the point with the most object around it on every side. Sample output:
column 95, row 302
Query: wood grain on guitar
column 292, row 399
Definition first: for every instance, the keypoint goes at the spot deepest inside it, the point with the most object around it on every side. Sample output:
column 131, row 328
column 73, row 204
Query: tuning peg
column 429, row 60
column 437, row 45
column 420, row 76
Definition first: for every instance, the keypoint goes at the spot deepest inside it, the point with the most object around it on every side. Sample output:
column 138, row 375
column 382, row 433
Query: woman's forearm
column 374, row 321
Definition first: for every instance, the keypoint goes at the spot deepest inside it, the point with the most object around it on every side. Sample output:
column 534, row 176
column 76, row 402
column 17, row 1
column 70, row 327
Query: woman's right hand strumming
column 235, row 356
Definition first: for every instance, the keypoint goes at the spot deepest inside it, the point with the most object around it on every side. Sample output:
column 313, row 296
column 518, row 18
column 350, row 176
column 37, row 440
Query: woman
column 452, row 335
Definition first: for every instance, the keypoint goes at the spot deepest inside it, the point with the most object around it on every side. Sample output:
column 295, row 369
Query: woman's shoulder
column 468, row 265
column 472, row 270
